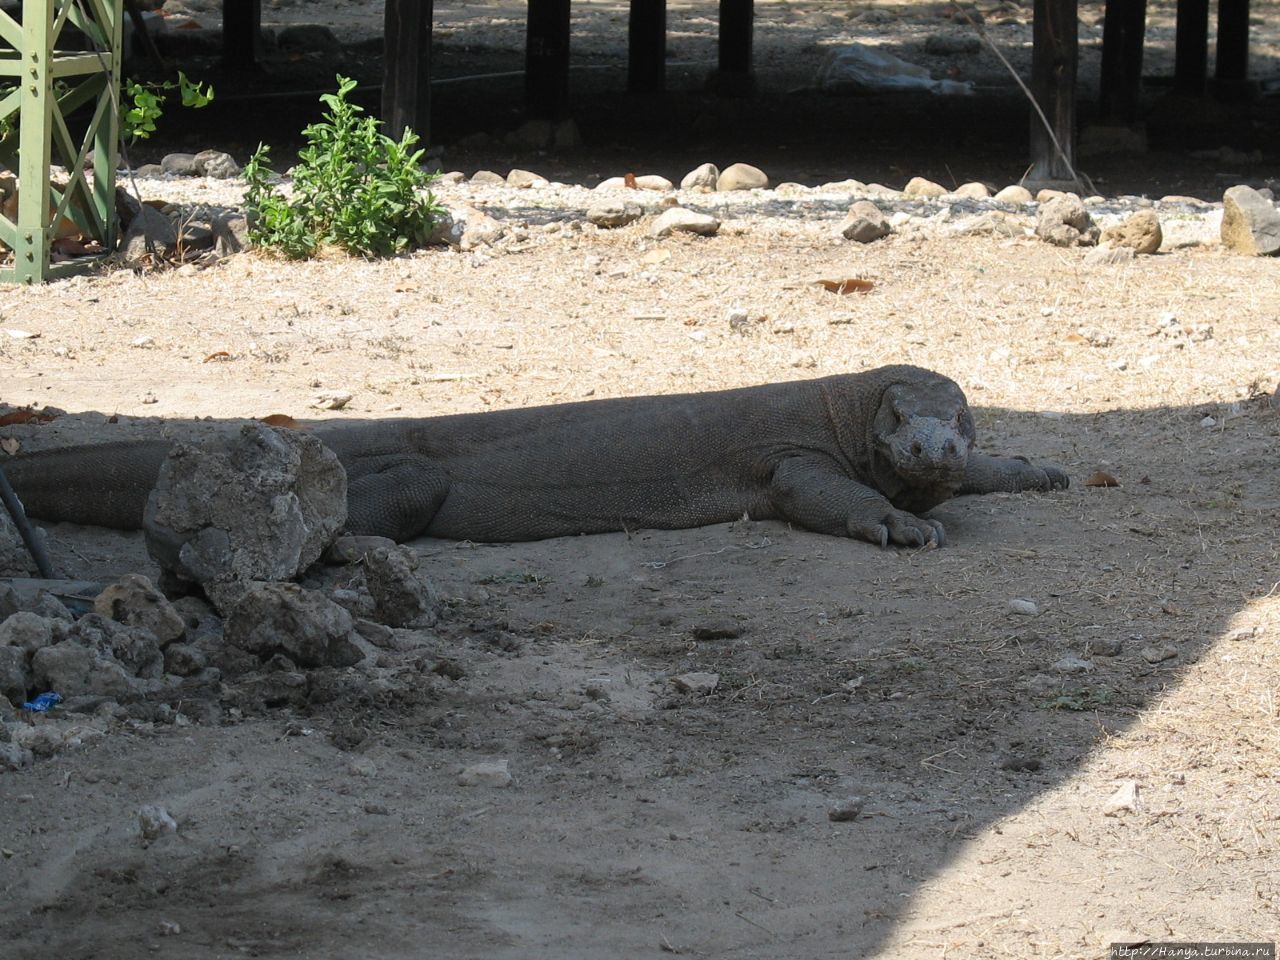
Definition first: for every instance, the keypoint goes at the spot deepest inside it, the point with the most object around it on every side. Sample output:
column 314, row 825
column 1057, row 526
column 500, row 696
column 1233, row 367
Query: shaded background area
column 788, row 129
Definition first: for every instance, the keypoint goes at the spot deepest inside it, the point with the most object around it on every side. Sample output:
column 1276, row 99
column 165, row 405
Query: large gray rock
column 402, row 595
column 230, row 233
column 73, row 669
column 30, row 632
column 260, row 505
column 134, row 601
column 179, row 164
column 305, row 626
column 14, row 678
column 134, row 648
column 1064, row 222
column 1250, row 223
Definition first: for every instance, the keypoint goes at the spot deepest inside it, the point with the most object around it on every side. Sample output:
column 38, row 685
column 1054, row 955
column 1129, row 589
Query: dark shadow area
column 791, row 132
column 897, row 676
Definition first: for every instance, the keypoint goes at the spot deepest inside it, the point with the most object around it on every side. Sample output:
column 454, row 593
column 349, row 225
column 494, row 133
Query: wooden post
column 1231, row 72
column 1053, row 84
column 1123, row 34
column 647, row 47
column 547, row 60
column 406, row 74
column 242, row 32
column 736, row 27
column 1191, row 47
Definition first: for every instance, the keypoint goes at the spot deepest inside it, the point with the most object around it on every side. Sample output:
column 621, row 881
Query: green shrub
column 353, row 187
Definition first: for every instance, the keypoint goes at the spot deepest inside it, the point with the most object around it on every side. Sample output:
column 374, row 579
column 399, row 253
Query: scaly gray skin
column 855, row 455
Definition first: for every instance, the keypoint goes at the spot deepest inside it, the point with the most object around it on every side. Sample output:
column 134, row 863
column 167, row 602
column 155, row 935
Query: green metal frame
column 46, row 86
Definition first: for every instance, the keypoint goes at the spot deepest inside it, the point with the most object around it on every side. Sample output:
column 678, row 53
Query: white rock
column 1124, row 800
column 680, row 220
column 331, row 400
column 1023, row 607
column 490, row 773
column 1072, row 664
column 1014, row 194
column 698, row 684
column 702, row 178
column 155, row 821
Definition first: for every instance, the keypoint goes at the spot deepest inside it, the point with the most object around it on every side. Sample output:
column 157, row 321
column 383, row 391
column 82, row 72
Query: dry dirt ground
column 645, row 822
column 642, row 820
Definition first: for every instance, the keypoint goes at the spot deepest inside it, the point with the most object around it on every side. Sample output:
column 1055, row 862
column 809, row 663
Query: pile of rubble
column 234, row 523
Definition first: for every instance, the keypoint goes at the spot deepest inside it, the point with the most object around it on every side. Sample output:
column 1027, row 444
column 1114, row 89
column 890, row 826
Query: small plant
column 138, row 122
column 353, row 187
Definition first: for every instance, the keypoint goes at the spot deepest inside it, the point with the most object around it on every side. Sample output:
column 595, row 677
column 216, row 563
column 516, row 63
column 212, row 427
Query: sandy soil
column 643, row 821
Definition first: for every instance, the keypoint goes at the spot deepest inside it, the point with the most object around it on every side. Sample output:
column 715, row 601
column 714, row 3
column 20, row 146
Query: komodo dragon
column 857, row 455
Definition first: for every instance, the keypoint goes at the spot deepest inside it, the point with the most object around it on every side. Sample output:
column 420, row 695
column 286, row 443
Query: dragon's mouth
column 928, row 450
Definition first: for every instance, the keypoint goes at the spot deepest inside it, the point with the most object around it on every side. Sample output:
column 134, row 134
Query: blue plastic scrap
column 43, row 703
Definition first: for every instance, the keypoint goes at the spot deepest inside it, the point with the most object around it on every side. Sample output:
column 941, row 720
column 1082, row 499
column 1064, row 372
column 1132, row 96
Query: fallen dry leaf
column 407, row 287
column 22, row 334
column 25, row 416
column 853, row 285
column 630, row 180
column 1076, row 338
column 1100, row 478
column 282, row 420
column 220, row 355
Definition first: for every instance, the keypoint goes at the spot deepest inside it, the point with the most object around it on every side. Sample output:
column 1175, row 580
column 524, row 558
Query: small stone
column 179, row 164
column 846, row 810
column 1109, row 256
column 864, row 223
column 359, row 766
column 1023, row 607
column 972, row 191
column 168, row 928
column 920, row 188
column 14, row 757
column 155, row 821
column 1208, row 422
column 525, row 179
column 742, row 176
column 1153, row 654
column 480, row 230
column 697, row 684
column 611, row 215
column 1064, row 222
column 655, row 183
column 680, row 220
column 1140, row 232
column 376, row 809
column 331, row 399
column 1072, row 665
column 215, row 164
column 702, row 179
column 134, row 601
column 401, row 594
column 487, row 176
column 491, row 773
column 1250, row 223
column 150, row 236
column 1124, row 800
column 230, row 233
column 717, row 631
column 306, row 37
column 1014, row 193
column 951, row 44
column 1015, row 763
column 1104, row 647
column 184, row 660
column 1046, row 194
